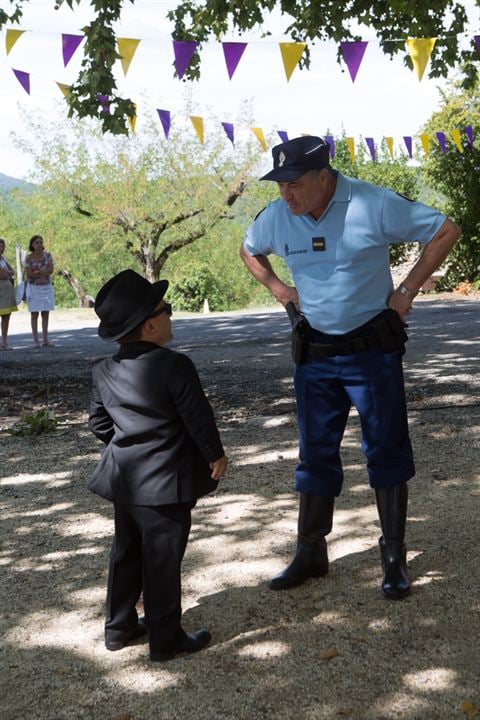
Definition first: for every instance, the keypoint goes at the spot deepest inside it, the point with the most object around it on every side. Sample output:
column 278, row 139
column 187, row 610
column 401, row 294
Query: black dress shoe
column 190, row 643
column 140, row 631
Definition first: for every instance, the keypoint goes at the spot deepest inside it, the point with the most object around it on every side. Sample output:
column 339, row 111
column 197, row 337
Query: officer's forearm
column 261, row 269
column 433, row 255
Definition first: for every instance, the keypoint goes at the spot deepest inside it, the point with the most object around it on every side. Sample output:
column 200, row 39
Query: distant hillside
column 7, row 184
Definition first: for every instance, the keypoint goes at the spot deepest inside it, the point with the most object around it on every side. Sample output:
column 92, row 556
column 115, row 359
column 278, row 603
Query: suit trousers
column 146, row 554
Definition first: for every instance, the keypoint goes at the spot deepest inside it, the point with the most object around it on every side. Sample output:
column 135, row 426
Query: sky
column 386, row 99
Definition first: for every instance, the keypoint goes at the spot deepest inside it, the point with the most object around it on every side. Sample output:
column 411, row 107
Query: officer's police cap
column 296, row 157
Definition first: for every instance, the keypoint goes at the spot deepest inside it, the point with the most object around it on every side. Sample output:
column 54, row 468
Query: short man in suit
column 163, row 451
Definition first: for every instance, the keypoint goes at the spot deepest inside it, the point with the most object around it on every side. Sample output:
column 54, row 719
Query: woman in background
column 38, row 270
column 7, row 296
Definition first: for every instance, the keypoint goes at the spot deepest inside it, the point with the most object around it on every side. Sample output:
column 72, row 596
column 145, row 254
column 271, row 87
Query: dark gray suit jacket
column 149, row 408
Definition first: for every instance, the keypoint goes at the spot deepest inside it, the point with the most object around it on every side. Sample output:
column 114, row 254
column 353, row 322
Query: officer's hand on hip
column 288, row 294
column 399, row 302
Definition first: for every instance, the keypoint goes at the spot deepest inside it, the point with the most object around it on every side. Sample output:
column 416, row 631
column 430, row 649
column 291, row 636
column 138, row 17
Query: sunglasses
column 166, row 309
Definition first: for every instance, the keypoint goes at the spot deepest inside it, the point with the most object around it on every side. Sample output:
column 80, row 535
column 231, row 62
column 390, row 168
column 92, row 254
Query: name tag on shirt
column 318, row 244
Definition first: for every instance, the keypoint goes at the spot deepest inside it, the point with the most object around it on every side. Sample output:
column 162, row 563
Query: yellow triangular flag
column 258, row 132
column 132, row 121
column 11, row 38
column 457, row 140
column 389, row 141
column 425, row 140
column 420, row 50
column 197, row 123
column 291, row 54
column 64, row 88
column 351, row 147
column 126, row 49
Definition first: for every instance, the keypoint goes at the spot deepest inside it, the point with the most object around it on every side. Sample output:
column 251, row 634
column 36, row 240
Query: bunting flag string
column 371, row 146
column 282, row 135
column 419, row 49
column 425, row 140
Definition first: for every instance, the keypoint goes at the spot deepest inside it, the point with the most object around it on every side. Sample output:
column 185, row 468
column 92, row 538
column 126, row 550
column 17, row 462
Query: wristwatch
column 405, row 291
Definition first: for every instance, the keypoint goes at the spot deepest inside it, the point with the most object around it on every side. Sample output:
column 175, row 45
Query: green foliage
column 200, row 20
column 34, row 423
column 385, row 172
column 456, row 176
column 131, row 202
column 196, row 286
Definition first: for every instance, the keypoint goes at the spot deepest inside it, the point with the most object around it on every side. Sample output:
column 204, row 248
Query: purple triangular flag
column 477, row 42
column 469, row 134
column 330, row 140
column 104, row 102
column 183, row 50
column 282, row 135
column 69, row 44
column 408, row 142
column 442, row 142
column 233, row 52
column 24, row 79
column 228, row 127
column 371, row 146
column 353, row 53
column 164, row 116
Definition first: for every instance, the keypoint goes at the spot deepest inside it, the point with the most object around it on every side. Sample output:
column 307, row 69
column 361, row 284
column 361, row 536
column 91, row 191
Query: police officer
column 334, row 232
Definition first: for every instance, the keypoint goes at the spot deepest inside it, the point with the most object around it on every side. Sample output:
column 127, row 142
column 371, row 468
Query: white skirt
column 40, row 298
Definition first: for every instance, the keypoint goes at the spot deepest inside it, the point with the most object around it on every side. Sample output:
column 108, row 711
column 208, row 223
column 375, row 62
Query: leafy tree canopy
column 306, row 21
column 457, row 176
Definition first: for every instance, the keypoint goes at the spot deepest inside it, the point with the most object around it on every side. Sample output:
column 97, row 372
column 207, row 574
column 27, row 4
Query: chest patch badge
column 318, row 244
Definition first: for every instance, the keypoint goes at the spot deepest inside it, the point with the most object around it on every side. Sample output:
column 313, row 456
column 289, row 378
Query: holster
column 300, row 334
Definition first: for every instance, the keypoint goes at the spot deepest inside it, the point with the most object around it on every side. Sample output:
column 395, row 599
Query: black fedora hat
column 295, row 157
column 124, row 302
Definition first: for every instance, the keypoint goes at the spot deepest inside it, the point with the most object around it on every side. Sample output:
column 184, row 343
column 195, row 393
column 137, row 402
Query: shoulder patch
column 259, row 213
column 405, row 197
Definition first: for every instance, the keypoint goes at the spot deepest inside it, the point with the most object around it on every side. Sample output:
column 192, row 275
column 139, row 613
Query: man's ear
column 146, row 329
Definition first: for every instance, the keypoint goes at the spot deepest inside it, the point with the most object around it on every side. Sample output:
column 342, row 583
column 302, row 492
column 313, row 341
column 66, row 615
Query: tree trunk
column 84, row 300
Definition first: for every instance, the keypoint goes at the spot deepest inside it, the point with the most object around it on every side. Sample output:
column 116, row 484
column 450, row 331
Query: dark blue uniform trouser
column 326, row 388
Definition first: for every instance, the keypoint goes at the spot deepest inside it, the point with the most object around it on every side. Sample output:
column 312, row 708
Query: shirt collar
column 343, row 190
column 134, row 349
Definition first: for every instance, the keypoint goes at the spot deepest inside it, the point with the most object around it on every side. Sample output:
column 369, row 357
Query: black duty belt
column 348, row 347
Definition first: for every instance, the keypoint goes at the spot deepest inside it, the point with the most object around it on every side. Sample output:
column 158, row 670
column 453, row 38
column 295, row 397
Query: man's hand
column 401, row 303
column 219, row 468
column 288, row 294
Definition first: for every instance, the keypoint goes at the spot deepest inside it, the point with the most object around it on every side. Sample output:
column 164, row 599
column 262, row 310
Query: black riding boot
column 392, row 509
column 315, row 517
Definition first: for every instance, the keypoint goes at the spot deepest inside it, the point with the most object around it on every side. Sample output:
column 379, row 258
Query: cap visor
column 284, row 174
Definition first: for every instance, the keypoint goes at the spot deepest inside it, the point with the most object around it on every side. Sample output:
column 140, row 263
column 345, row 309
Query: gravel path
column 333, row 648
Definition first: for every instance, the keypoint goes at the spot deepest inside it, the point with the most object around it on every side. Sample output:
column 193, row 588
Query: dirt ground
column 333, row 648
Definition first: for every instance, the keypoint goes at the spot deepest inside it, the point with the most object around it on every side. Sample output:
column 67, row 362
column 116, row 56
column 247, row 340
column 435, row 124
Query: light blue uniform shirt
column 345, row 284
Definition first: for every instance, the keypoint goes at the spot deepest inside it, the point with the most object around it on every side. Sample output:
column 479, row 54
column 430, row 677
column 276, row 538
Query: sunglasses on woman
column 167, row 308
